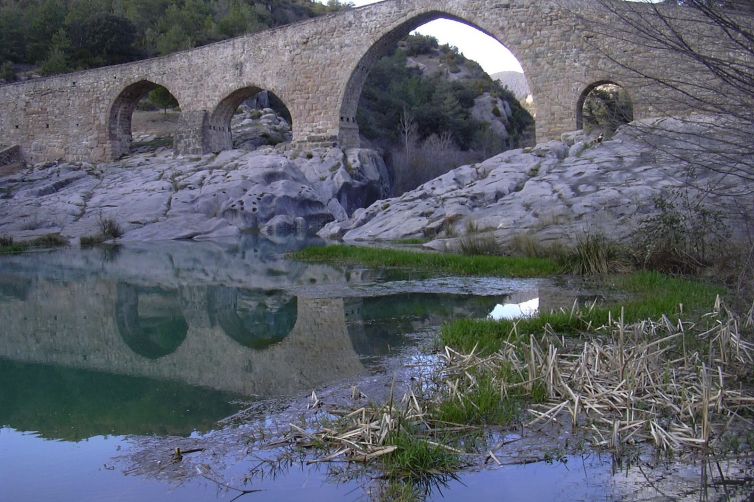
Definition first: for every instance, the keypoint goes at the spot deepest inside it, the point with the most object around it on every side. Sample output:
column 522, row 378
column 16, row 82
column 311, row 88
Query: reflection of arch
column 349, row 129
column 152, row 334
column 256, row 324
column 589, row 89
column 220, row 137
column 121, row 112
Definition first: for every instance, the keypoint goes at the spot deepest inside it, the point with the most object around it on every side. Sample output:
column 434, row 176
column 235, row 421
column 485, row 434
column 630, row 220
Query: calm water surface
column 102, row 348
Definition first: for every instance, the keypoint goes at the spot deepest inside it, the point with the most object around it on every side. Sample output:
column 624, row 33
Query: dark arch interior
column 248, row 118
column 150, row 320
column 142, row 94
column 254, row 320
column 603, row 107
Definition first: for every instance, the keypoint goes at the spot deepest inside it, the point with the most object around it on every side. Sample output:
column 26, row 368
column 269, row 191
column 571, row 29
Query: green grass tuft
column 651, row 295
column 596, row 255
column 9, row 246
column 484, row 405
column 88, row 241
column 475, row 245
column 417, row 460
column 440, row 263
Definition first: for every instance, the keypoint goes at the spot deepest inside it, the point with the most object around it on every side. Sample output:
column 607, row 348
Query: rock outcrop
column 158, row 196
column 558, row 191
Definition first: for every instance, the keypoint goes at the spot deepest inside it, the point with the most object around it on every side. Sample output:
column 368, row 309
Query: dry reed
column 678, row 386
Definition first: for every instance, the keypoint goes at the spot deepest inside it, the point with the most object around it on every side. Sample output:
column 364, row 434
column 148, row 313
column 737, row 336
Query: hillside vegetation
column 58, row 36
column 430, row 109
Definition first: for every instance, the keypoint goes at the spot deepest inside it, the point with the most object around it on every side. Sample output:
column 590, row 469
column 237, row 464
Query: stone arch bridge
column 317, row 68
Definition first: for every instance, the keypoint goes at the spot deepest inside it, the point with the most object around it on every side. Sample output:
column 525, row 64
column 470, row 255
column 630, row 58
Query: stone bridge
column 317, row 68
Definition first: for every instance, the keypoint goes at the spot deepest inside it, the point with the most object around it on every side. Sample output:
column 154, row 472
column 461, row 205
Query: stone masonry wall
column 317, row 68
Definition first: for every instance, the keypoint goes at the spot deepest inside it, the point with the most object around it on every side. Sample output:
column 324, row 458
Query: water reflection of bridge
column 249, row 342
column 175, row 335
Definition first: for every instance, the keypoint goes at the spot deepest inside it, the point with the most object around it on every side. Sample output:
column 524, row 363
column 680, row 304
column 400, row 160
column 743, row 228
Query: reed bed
column 678, row 386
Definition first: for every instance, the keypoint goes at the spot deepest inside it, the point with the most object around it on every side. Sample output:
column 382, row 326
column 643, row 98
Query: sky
column 474, row 44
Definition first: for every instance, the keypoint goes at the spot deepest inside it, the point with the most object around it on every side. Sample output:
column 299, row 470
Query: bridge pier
column 348, row 136
column 192, row 136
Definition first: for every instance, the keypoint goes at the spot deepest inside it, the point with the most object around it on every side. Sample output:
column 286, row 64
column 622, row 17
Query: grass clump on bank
column 679, row 387
column 109, row 230
column 489, row 400
column 9, row 246
column 651, row 296
column 440, row 263
column 415, row 459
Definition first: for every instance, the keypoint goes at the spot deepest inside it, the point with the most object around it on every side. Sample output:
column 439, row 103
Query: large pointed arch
column 349, row 100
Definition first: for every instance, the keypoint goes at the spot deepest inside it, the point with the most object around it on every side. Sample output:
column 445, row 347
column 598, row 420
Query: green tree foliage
column 436, row 104
column 102, row 39
column 13, row 45
column 7, row 72
column 43, row 21
column 66, row 35
column 161, row 98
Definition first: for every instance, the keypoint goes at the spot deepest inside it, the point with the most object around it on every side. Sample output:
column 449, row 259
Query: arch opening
column 150, row 320
column 432, row 108
column 603, row 107
column 144, row 117
column 249, row 118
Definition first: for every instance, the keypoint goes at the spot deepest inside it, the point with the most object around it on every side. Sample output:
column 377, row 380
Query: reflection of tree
column 14, row 288
column 156, row 329
column 255, row 320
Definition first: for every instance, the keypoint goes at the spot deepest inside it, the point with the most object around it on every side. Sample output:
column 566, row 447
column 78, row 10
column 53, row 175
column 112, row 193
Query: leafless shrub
column 707, row 54
column 421, row 162
column 110, row 228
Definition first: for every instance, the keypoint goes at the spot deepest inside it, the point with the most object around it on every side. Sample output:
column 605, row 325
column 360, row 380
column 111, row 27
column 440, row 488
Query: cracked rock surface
column 558, row 191
column 157, row 196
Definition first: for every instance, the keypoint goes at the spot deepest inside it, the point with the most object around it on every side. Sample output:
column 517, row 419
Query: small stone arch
column 349, row 101
column 121, row 113
column 219, row 124
column 592, row 87
column 150, row 336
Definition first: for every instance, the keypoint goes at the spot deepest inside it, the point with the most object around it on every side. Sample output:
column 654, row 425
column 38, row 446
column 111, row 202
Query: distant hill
column 515, row 82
